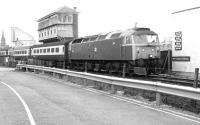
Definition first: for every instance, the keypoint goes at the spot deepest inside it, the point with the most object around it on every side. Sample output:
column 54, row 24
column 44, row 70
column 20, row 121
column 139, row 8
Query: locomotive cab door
column 126, row 50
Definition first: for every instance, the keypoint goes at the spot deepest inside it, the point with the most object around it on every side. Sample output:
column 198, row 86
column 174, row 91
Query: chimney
column 75, row 8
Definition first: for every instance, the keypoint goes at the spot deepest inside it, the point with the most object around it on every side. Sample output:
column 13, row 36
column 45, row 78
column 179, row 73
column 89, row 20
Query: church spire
column 3, row 40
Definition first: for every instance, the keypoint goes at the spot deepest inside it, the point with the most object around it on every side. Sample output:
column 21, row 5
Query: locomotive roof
column 117, row 34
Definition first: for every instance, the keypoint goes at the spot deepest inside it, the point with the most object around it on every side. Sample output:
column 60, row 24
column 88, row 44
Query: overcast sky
column 95, row 16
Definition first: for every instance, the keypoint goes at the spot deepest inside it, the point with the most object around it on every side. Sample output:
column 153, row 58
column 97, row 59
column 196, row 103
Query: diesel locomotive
column 134, row 51
column 137, row 49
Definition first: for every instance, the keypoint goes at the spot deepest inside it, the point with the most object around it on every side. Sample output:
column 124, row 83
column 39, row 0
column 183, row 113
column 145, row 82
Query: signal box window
column 44, row 50
column 52, row 50
column 48, row 50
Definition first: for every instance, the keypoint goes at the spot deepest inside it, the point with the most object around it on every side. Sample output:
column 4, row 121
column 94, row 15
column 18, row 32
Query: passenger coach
column 49, row 54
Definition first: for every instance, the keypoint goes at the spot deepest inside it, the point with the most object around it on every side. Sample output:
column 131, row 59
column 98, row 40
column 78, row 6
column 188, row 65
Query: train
column 133, row 51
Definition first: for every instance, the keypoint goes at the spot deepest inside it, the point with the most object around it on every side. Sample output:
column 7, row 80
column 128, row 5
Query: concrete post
column 84, row 81
column 158, row 99
column 65, row 77
column 43, row 72
column 26, row 69
column 54, row 74
column 112, row 89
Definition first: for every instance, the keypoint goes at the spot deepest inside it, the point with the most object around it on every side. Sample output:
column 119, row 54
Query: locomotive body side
column 136, row 48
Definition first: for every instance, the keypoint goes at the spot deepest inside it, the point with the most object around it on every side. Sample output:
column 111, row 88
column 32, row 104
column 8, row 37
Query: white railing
column 158, row 87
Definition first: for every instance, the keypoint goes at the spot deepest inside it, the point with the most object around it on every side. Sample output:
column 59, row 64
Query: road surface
column 56, row 103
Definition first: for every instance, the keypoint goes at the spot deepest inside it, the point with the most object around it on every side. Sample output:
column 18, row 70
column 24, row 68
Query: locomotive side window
column 77, row 41
column 93, row 38
column 102, row 37
column 85, row 40
column 116, row 35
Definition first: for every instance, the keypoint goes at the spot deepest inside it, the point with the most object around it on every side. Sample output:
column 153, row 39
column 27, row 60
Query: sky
column 95, row 16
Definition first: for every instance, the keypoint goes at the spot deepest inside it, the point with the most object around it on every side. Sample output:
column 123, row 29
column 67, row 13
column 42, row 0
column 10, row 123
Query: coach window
column 40, row 50
column 52, row 50
column 57, row 50
column 48, row 50
column 37, row 50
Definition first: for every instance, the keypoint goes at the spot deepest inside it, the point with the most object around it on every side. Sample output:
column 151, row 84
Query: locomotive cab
column 145, row 53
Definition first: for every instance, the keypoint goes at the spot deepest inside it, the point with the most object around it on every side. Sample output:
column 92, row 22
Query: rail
column 158, row 87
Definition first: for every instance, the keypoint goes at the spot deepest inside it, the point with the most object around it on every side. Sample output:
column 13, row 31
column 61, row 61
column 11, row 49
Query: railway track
column 170, row 79
column 164, row 78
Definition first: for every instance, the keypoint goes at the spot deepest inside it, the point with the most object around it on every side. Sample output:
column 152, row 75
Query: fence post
column 195, row 85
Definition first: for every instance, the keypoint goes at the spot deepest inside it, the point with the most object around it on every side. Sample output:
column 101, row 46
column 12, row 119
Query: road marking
column 23, row 102
column 181, row 115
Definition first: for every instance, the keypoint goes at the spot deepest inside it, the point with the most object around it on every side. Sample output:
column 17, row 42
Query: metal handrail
column 183, row 91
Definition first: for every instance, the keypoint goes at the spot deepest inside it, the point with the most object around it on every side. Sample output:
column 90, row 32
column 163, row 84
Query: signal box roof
column 63, row 9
